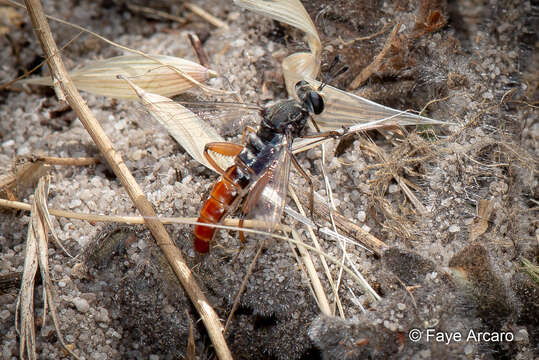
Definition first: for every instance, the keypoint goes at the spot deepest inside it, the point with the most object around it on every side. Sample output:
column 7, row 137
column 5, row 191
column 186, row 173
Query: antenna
column 333, row 72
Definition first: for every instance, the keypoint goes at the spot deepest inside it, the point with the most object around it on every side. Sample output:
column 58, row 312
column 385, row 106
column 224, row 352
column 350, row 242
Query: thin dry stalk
column 332, row 208
column 155, row 13
column 342, row 42
column 243, row 286
column 207, row 16
column 314, row 239
column 229, row 224
column 350, row 229
column 196, row 44
column 68, row 161
column 29, row 72
column 373, row 66
column 317, row 287
column 191, row 353
column 171, row 252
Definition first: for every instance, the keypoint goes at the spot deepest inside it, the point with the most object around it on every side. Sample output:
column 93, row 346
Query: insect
column 262, row 164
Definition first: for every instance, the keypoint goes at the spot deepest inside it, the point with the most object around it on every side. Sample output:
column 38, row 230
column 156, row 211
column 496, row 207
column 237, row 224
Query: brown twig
column 199, row 51
column 243, row 286
column 373, row 66
column 155, row 13
column 67, row 161
column 171, row 252
column 207, row 16
column 340, row 41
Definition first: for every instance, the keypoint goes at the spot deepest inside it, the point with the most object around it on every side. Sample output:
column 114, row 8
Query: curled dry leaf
column 299, row 65
column 191, row 132
column 36, row 255
column 23, row 175
column 480, row 222
column 100, row 77
column 290, row 12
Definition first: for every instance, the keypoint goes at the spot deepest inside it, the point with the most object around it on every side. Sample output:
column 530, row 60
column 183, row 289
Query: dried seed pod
column 155, row 74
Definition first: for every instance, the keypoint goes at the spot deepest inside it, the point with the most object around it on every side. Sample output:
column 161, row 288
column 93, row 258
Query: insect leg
column 315, row 124
column 307, row 177
column 223, row 148
column 245, row 131
column 330, row 133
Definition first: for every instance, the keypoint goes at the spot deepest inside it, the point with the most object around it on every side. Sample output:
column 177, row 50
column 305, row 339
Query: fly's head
column 310, row 99
column 291, row 116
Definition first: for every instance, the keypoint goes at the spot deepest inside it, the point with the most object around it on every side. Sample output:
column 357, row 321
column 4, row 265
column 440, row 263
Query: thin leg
column 331, row 133
column 245, row 131
column 223, row 148
column 315, row 124
column 242, row 235
column 309, row 181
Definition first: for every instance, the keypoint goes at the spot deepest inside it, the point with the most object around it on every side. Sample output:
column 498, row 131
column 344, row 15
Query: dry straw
column 156, row 74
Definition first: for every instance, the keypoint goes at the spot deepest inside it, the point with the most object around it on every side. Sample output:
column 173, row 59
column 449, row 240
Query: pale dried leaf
column 45, row 216
column 300, row 65
column 100, row 77
column 25, row 301
column 480, row 223
column 36, row 254
column 290, row 12
column 297, row 67
column 191, row 132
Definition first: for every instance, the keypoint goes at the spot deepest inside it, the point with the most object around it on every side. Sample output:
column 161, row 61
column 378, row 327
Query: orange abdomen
column 221, row 197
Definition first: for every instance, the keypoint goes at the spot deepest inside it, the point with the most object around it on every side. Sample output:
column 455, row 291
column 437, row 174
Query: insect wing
column 270, row 191
column 190, row 130
column 230, row 118
column 346, row 109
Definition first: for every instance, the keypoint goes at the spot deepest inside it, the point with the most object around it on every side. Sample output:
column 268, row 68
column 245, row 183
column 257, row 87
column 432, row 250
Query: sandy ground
column 477, row 59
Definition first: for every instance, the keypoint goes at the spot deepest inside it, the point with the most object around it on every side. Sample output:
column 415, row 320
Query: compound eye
column 316, row 101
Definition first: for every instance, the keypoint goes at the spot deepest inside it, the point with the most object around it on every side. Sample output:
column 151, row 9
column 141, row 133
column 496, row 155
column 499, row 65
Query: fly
column 261, row 164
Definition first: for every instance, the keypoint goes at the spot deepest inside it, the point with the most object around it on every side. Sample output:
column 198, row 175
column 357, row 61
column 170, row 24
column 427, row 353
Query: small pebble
column 454, row 229
column 168, row 309
column 390, row 325
column 522, row 336
column 81, row 304
column 401, row 306
column 361, row 216
column 5, row 314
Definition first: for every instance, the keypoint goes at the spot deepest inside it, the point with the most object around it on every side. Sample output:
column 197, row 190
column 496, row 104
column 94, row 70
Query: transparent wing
column 229, row 118
column 267, row 198
column 346, row 109
column 191, row 130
